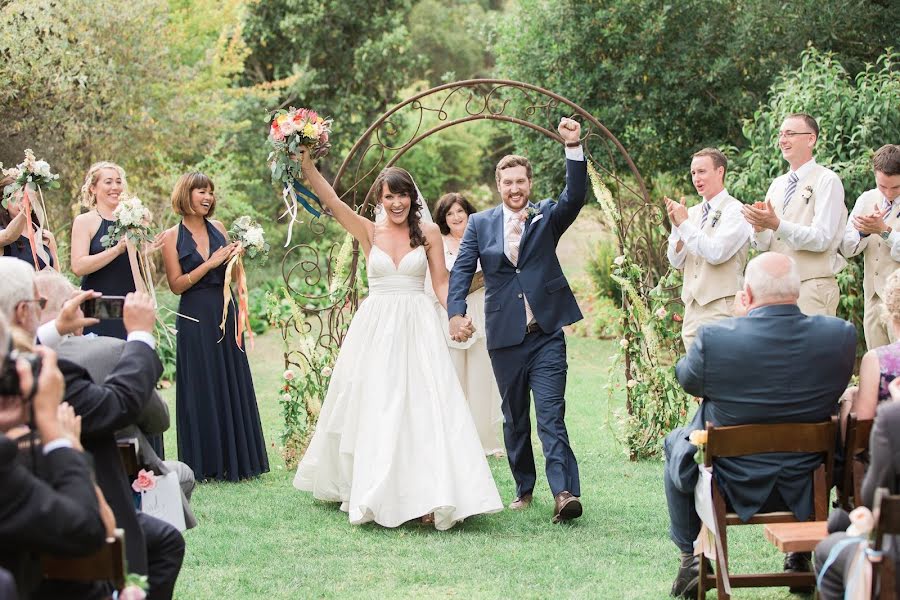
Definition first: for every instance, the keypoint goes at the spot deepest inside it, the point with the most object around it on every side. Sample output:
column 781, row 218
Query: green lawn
column 263, row 539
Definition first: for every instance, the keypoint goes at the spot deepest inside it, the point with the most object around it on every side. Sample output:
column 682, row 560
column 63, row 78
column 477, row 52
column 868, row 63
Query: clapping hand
column 70, row 425
column 761, row 215
column 569, row 130
column 461, row 328
column 222, row 254
column 677, row 211
column 157, row 242
column 874, row 223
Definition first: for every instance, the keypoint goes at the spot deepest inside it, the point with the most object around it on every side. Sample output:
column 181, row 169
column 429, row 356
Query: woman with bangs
column 219, row 432
column 104, row 270
column 394, row 440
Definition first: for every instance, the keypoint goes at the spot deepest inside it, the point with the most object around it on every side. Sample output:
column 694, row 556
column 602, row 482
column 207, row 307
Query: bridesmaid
column 219, row 432
column 473, row 365
column 13, row 239
column 104, row 270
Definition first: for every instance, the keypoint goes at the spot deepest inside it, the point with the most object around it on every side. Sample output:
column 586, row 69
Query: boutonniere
column 806, row 193
column 531, row 212
column 715, row 218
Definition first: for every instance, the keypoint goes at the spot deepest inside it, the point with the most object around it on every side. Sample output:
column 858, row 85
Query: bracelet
column 573, row 144
column 189, row 279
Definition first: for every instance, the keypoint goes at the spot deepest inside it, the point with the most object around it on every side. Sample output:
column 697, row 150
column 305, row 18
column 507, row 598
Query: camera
column 9, row 377
column 104, row 307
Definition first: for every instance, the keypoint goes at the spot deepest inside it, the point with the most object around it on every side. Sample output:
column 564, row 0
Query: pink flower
column 661, row 313
column 145, row 481
column 312, row 116
column 289, row 375
column 132, row 592
column 275, row 132
column 677, row 318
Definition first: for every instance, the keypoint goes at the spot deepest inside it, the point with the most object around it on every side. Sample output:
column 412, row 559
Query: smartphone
column 104, row 307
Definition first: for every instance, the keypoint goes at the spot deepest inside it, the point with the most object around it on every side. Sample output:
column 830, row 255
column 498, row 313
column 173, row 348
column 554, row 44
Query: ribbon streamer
column 242, row 316
column 298, row 194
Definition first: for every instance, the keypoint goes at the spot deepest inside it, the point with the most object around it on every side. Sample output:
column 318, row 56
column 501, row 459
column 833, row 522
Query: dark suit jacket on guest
column 57, row 514
column 105, row 408
column 537, row 275
column 776, row 365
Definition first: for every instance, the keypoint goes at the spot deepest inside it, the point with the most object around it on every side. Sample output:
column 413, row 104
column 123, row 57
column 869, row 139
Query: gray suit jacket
column 98, row 355
column 776, row 365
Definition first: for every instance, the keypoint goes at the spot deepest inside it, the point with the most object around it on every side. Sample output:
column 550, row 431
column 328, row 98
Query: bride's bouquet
column 289, row 131
column 131, row 220
column 251, row 237
column 30, row 176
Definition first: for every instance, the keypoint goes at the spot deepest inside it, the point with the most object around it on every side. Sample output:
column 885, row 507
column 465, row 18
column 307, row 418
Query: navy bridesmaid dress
column 114, row 279
column 21, row 249
column 219, row 431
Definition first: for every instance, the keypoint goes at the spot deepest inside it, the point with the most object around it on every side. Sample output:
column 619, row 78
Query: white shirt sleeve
column 816, row 237
column 48, row 335
column 59, row 442
column 676, row 258
column 853, row 243
column 143, row 336
column 576, row 153
column 733, row 233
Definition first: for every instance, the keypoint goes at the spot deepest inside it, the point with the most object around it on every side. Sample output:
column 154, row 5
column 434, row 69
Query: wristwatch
column 885, row 235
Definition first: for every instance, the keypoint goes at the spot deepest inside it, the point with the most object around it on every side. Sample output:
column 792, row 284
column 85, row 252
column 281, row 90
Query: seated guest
column 879, row 366
column 152, row 547
column 776, row 365
column 58, row 513
column 884, row 471
column 98, row 355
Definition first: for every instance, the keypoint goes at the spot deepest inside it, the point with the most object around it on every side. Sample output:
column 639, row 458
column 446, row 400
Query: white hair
column 772, row 278
column 4, row 337
column 18, row 284
column 53, row 286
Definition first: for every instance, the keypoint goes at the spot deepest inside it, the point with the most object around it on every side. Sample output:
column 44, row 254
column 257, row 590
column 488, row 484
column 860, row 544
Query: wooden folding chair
column 887, row 522
column 107, row 564
column 856, row 444
column 743, row 440
column 128, row 453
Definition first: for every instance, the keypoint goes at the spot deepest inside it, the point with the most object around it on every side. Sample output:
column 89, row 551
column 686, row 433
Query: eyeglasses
column 42, row 302
column 791, row 134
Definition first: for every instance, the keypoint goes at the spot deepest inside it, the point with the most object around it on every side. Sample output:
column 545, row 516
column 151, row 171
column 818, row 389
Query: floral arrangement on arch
column 651, row 342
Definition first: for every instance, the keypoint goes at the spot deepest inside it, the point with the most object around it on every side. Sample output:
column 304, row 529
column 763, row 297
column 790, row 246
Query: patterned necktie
column 513, row 238
column 705, row 214
column 789, row 190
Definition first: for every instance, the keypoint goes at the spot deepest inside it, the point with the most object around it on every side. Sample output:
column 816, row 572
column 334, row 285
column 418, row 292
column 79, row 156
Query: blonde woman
column 104, row 270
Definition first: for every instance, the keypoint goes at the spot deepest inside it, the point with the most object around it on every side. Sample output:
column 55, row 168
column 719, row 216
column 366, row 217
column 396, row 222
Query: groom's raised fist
column 569, row 130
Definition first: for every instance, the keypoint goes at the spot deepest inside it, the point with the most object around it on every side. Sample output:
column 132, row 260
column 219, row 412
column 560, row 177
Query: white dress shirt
column 48, row 335
column 733, row 232
column 827, row 223
column 851, row 244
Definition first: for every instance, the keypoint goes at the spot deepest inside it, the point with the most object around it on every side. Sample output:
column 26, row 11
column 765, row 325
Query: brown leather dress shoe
column 521, row 502
column 568, row 507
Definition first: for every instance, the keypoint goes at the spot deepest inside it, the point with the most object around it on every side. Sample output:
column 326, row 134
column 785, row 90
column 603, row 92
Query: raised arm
column 13, row 231
column 571, row 200
column 359, row 227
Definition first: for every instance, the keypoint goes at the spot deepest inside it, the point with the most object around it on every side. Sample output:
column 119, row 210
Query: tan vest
column 801, row 211
column 703, row 281
column 877, row 254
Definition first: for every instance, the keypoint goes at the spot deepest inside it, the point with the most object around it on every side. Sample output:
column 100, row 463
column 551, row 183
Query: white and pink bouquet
column 132, row 221
column 30, row 177
column 291, row 130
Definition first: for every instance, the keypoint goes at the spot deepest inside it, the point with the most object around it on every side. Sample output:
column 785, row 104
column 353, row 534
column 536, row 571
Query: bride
column 395, row 440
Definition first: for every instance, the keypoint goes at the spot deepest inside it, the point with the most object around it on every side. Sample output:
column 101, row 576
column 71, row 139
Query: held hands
column 70, row 318
column 569, row 130
column 139, row 312
column 220, row 256
column 761, row 215
column 874, row 223
column 677, row 211
column 461, row 328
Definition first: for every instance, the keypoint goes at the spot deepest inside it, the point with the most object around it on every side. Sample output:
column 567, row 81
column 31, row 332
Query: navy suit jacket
column 776, row 365
column 538, row 275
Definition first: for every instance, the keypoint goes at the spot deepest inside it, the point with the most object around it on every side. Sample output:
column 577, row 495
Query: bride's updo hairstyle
column 401, row 182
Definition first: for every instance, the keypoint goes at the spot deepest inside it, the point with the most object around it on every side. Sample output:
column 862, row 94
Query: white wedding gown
column 395, row 440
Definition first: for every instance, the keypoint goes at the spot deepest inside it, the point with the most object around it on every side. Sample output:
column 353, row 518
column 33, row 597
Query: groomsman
column 709, row 242
column 803, row 216
column 874, row 229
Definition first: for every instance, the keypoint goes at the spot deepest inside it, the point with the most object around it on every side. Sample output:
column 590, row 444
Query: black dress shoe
column 688, row 579
column 798, row 562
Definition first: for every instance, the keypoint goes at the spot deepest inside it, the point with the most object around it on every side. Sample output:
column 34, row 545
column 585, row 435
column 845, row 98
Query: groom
column 527, row 302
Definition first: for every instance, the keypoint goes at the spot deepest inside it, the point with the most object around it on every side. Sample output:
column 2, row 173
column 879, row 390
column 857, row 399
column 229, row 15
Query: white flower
column 286, row 397
column 326, row 372
column 254, row 237
column 631, row 383
column 289, row 375
column 861, row 521
column 623, row 342
column 806, row 193
column 661, row 313
column 619, row 260
column 42, row 167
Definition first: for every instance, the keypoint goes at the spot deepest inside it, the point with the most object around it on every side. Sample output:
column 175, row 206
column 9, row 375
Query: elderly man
column 738, row 367
column 152, row 546
column 803, row 217
column 709, row 243
column 98, row 355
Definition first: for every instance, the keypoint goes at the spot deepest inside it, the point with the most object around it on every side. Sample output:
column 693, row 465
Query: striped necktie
column 516, row 223
column 705, row 214
column 789, row 190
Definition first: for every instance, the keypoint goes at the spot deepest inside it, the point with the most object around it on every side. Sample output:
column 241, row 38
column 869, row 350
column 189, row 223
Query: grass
column 263, row 539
